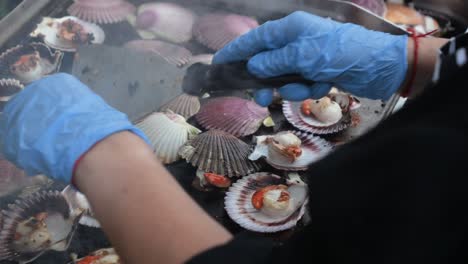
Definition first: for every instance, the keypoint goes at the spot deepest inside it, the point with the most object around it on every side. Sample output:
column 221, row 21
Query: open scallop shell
column 184, row 104
column 292, row 112
column 102, row 11
column 218, row 152
column 238, row 203
column 79, row 205
column 8, row 88
column 313, row 149
column 237, row 116
column 36, row 224
column 174, row 54
column 167, row 132
column 218, row 29
column 167, row 20
column 29, row 62
column 102, row 256
column 49, row 30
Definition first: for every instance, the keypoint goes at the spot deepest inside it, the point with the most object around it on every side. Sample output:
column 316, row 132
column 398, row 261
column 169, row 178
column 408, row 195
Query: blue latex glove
column 359, row 61
column 48, row 126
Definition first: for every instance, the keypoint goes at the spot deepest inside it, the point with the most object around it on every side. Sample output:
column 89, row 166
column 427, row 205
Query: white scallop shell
column 49, row 27
column 167, row 132
column 238, row 203
column 101, row 11
column 79, row 205
column 313, row 149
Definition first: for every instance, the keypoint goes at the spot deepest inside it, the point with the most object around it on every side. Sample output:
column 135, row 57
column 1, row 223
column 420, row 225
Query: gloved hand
column 48, row 126
column 359, row 61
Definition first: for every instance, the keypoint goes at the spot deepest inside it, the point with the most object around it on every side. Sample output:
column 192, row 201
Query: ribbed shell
column 313, row 149
column 218, row 29
column 101, row 11
column 8, row 88
column 218, row 152
column 237, row 116
column 48, row 29
column 49, row 62
column 174, row 54
column 167, row 20
column 184, row 104
column 238, row 204
column 167, row 132
column 292, row 112
column 51, row 202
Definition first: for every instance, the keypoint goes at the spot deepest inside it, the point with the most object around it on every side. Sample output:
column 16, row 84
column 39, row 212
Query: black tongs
column 201, row 78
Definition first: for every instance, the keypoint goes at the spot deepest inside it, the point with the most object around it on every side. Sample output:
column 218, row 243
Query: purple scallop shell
column 102, row 11
column 218, row 29
column 174, row 54
column 237, row 116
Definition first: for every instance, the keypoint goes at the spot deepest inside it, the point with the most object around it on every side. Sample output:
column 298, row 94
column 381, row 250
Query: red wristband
column 415, row 36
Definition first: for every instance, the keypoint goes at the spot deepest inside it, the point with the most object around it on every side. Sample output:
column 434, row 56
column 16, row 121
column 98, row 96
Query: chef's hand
column 48, row 126
column 359, row 61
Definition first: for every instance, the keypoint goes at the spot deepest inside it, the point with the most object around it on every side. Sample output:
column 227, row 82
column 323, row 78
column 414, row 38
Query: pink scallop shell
column 174, row 54
column 218, row 152
column 167, row 20
column 239, row 207
column 237, row 116
column 185, row 105
column 292, row 112
column 218, row 29
column 101, row 11
column 377, row 7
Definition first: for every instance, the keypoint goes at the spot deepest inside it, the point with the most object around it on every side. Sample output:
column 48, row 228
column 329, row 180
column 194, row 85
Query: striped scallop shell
column 237, row 116
column 48, row 62
column 8, row 88
column 292, row 112
column 167, row 20
column 49, row 28
column 221, row 153
column 167, row 132
column 174, row 54
column 238, row 203
column 79, row 205
column 313, row 149
column 57, row 232
column 218, row 29
column 102, row 11
column 184, row 104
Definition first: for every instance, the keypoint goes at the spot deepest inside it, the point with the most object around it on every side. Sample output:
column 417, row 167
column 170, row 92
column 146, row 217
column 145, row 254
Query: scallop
column 218, row 29
column 312, row 149
column 173, row 54
column 168, row 21
column 102, row 11
column 184, row 104
column 35, row 225
column 8, row 88
column 29, row 62
column 79, row 205
column 68, row 33
column 266, row 203
column 218, row 152
column 237, row 116
column 167, row 132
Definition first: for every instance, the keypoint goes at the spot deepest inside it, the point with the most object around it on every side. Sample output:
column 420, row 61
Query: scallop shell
column 313, row 149
column 167, row 20
column 49, row 28
column 46, row 62
column 102, row 11
column 237, row 116
column 240, row 209
column 8, row 88
column 106, row 256
column 218, row 152
column 174, row 54
column 218, row 29
column 202, row 58
column 79, row 205
column 184, row 104
column 377, row 7
column 292, row 112
column 57, row 230
column 167, row 132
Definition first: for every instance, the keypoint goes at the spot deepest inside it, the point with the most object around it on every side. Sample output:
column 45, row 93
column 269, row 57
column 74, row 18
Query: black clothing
column 398, row 194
